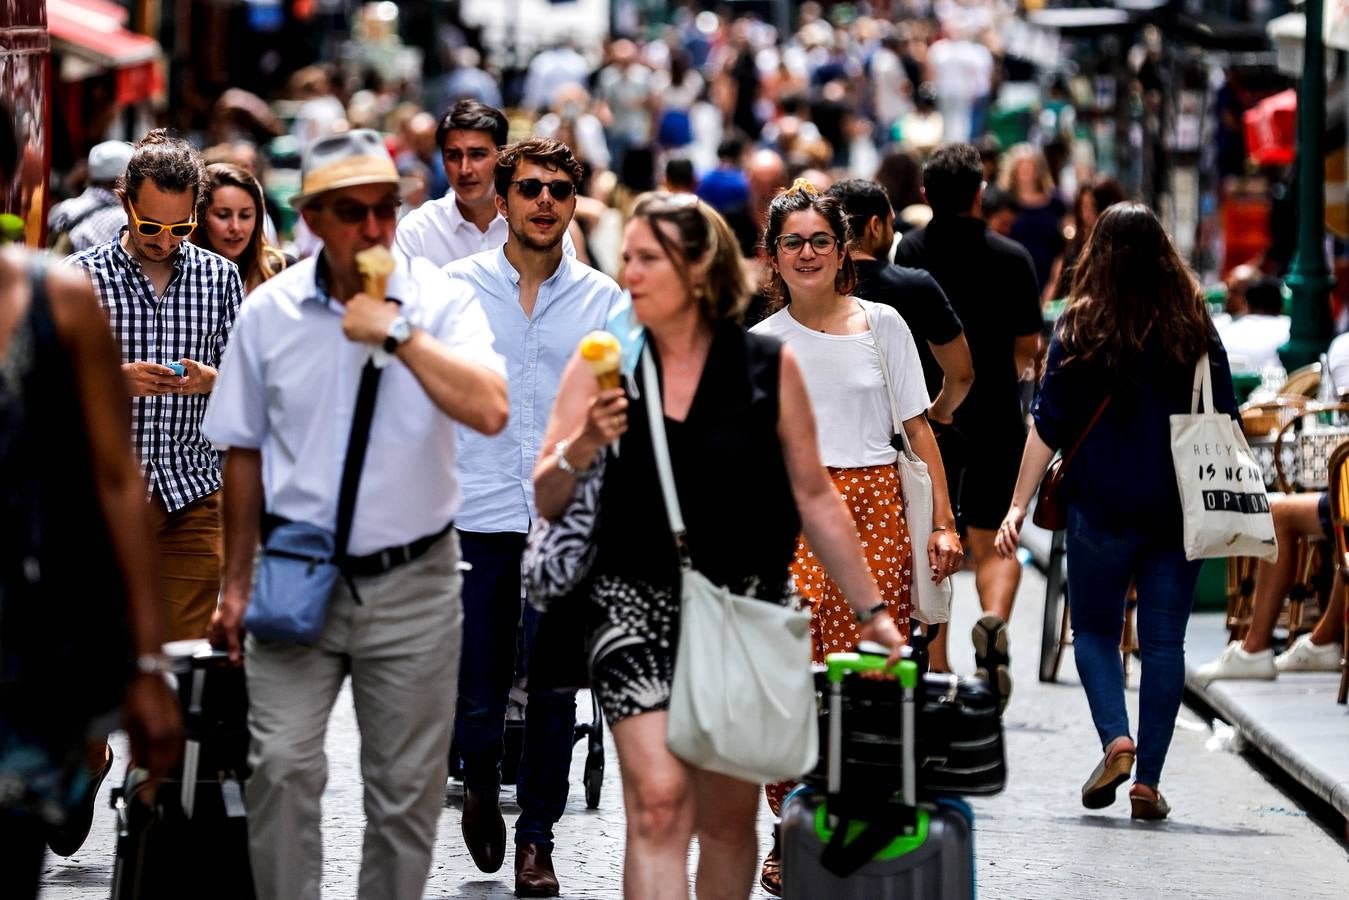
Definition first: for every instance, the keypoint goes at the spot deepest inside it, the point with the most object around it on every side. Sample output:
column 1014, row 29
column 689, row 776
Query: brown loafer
column 534, row 876
column 1147, row 803
column 484, row 830
column 1113, row 770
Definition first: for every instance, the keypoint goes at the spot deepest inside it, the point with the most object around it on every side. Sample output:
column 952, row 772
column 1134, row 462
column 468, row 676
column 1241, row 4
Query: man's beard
column 537, row 246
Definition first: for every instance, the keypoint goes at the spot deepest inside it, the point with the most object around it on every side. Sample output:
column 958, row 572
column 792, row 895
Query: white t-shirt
column 847, row 389
column 1252, row 341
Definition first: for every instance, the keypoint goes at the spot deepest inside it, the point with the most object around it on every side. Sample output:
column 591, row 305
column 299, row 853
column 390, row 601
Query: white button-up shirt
column 498, row 472
column 287, row 386
column 438, row 231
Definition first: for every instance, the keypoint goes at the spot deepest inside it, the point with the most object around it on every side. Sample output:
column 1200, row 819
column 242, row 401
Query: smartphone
column 177, row 368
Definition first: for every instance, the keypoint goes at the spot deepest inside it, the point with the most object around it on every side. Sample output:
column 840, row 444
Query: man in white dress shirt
column 540, row 303
column 284, row 403
column 466, row 220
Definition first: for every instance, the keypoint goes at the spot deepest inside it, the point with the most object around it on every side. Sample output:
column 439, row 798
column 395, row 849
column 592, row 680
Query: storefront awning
column 93, row 29
column 95, row 32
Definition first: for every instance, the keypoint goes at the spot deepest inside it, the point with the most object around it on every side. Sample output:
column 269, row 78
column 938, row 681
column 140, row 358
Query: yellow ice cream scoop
column 375, row 264
column 602, row 353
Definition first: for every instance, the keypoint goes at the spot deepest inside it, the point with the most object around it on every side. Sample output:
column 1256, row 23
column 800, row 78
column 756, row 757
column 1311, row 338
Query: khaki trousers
column 191, row 553
column 400, row 646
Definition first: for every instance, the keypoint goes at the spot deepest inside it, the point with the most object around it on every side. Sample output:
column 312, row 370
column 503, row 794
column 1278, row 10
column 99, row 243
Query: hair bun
column 803, row 186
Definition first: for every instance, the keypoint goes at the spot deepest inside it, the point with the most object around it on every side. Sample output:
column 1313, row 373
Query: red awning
column 94, row 30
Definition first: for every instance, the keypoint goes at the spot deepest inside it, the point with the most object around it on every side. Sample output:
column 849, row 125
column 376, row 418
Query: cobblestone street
column 1232, row 833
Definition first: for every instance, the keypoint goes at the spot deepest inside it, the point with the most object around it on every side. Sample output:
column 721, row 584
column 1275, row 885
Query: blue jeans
column 1101, row 564
column 492, row 612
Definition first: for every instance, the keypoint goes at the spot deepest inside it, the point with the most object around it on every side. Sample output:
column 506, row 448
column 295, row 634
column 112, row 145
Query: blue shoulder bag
column 300, row 562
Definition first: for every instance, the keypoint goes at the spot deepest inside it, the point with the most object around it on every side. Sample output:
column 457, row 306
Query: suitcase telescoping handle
column 906, row 671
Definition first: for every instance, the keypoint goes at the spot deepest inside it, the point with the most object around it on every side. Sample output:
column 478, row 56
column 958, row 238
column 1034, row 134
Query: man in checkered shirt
column 171, row 305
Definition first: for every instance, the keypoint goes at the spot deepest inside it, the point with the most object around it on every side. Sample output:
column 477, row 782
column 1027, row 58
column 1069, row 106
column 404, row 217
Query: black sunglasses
column 532, row 187
column 353, row 213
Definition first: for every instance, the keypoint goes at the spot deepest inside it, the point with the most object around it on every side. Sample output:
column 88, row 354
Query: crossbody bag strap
column 355, row 459
column 660, row 449
column 1096, row 417
column 869, row 309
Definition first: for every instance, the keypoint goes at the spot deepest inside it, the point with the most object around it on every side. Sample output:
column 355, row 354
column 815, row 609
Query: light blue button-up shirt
column 497, row 473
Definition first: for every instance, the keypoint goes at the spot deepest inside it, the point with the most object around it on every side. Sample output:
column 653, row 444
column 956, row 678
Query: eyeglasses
column 353, row 213
column 152, row 229
column 532, row 187
column 822, row 242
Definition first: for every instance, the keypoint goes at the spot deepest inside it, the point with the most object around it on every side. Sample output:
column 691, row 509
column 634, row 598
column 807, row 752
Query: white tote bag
column 1222, row 489
column 931, row 602
column 743, row 701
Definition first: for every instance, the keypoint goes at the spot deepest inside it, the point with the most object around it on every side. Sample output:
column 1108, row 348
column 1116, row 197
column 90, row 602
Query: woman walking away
column 230, row 216
column 841, row 358
column 1126, row 349
column 747, row 473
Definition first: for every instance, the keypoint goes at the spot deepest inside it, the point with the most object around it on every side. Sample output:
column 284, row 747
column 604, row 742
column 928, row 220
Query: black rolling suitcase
column 860, row 846
column 191, row 840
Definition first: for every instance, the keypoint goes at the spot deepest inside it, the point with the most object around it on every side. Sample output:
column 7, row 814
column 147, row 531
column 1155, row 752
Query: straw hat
column 348, row 159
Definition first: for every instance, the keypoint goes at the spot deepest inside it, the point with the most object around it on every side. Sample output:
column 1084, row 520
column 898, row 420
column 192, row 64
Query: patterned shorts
column 873, row 496
column 634, row 637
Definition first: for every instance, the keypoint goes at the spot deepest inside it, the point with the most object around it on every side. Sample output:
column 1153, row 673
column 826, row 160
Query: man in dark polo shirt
column 913, row 293
column 991, row 284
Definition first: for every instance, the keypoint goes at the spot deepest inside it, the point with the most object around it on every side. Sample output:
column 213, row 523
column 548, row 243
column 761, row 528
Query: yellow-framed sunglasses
column 152, row 229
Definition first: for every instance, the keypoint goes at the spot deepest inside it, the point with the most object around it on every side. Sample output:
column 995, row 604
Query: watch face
column 400, row 330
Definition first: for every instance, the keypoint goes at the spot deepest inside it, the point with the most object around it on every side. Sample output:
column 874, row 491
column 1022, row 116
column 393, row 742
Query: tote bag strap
column 655, row 417
column 869, row 309
column 1203, row 387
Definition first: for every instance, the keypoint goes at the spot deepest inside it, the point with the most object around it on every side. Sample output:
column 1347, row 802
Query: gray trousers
column 400, row 646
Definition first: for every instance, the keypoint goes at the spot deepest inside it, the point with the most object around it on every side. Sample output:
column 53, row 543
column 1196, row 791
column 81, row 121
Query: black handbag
column 960, row 747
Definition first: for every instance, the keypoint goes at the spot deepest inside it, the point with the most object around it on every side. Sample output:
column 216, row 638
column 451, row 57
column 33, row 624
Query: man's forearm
column 242, row 499
column 463, row 390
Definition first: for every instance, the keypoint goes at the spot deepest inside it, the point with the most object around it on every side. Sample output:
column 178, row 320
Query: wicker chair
column 1339, row 515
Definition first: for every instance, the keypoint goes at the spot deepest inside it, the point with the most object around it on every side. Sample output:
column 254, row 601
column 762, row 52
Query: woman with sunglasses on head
column 748, row 474
column 230, row 220
column 1121, row 363
column 841, row 357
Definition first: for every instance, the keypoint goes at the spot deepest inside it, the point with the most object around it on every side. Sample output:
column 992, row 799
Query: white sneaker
column 1235, row 663
column 1304, row 656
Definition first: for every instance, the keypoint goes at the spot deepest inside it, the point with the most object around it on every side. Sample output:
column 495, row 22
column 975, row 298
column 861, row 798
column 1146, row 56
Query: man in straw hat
column 285, row 404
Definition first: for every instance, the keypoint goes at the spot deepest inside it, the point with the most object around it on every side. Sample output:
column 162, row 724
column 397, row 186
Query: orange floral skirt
column 875, row 499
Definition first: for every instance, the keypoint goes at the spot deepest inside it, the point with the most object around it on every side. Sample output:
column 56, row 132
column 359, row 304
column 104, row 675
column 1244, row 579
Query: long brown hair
column 260, row 260
column 1130, row 280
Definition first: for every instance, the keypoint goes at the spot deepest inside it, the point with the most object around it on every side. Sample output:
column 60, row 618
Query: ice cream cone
column 602, row 353
column 375, row 264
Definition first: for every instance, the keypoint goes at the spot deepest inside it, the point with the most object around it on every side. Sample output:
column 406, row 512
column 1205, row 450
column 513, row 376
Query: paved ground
column 1232, row 833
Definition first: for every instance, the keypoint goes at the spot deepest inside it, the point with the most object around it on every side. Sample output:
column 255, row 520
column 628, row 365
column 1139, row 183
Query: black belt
column 389, row 558
column 376, row 563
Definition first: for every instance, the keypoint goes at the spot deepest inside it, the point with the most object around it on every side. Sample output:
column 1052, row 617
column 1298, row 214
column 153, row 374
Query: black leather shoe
column 534, row 876
column 68, row 837
column 484, row 830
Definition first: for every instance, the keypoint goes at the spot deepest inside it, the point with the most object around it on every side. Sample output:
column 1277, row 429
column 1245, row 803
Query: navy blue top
column 1123, row 474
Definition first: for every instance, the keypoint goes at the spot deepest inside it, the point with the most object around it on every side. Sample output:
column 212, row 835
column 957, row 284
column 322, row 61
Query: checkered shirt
column 193, row 319
column 97, row 215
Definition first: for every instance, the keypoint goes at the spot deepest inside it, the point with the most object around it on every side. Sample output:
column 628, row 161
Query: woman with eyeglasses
column 827, row 330
column 230, row 223
column 748, row 475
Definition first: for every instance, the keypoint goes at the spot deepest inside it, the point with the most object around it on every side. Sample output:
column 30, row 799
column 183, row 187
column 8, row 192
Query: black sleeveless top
column 64, row 641
column 729, row 471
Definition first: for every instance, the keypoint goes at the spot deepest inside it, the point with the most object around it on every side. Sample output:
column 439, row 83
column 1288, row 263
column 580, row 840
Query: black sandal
column 991, row 657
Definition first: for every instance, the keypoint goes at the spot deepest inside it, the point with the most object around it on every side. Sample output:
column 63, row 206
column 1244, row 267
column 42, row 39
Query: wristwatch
column 867, row 615
column 153, row 664
column 560, row 451
column 400, row 332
